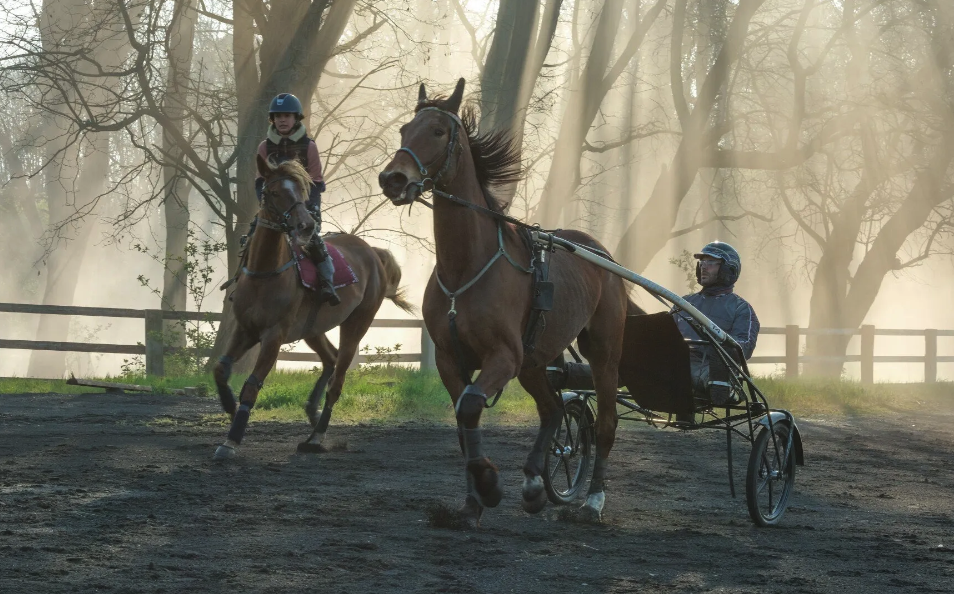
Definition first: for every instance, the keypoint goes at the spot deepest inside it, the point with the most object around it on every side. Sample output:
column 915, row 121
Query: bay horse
column 272, row 307
column 477, row 303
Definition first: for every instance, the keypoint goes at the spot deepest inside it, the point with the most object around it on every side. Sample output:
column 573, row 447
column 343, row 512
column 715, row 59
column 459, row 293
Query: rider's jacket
column 296, row 145
column 729, row 311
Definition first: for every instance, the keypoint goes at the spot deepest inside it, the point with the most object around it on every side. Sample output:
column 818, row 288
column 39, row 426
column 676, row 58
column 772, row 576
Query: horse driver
column 287, row 139
column 717, row 270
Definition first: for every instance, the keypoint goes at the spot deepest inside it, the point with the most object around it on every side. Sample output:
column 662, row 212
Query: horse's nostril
column 392, row 182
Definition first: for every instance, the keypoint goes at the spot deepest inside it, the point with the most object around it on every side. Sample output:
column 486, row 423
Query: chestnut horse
column 477, row 303
column 273, row 308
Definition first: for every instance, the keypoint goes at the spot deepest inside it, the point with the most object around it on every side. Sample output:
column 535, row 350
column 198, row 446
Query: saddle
column 308, row 272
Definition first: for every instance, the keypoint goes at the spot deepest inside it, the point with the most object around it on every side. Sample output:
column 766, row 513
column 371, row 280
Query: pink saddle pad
column 308, row 272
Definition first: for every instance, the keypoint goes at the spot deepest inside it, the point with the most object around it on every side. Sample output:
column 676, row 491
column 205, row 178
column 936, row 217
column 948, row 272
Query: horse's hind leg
column 328, row 355
column 534, row 381
column 239, row 344
column 603, row 353
column 267, row 356
column 351, row 331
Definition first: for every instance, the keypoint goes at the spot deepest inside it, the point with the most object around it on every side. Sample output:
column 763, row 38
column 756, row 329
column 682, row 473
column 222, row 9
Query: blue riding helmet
column 285, row 103
column 731, row 266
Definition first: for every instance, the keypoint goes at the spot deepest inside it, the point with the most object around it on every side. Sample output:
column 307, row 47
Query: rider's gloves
column 313, row 204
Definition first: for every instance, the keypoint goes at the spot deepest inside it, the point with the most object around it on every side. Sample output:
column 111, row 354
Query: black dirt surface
column 119, row 493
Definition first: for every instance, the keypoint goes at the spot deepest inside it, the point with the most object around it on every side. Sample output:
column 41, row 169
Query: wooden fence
column 154, row 350
column 867, row 358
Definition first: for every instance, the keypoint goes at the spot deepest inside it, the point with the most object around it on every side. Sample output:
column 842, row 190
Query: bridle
column 452, row 146
column 282, row 225
column 283, row 216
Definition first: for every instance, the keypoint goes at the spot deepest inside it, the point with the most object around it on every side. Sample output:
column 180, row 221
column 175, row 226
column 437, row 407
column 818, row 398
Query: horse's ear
column 453, row 104
column 421, row 94
column 263, row 166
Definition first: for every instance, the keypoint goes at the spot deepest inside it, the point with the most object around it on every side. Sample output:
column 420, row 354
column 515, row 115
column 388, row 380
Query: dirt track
column 118, row 493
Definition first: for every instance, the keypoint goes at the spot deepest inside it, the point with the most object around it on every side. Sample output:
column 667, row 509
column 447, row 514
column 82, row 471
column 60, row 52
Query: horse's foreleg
column 239, row 344
column 454, row 383
column 534, row 381
column 267, row 357
column 483, row 476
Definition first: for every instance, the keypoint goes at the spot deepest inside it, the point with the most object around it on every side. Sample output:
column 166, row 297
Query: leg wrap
column 471, row 402
column 239, row 423
column 473, row 450
column 469, row 406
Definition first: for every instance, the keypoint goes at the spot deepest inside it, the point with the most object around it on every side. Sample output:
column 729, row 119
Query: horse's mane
column 296, row 171
column 496, row 154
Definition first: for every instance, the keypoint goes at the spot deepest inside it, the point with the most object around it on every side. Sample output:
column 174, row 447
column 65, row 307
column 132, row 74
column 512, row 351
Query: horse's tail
column 392, row 273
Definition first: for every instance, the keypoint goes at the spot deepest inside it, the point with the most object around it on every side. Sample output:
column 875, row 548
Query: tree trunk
column 66, row 260
column 840, row 302
column 586, row 97
column 652, row 228
column 176, row 187
column 506, row 61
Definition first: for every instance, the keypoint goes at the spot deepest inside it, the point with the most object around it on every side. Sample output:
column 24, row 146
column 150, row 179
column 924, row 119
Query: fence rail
column 154, row 350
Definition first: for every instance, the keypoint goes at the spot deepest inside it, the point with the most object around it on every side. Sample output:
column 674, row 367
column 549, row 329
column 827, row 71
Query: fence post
column 154, row 345
column 867, row 354
column 427, row 349
column 791, row 351
column 930, row 356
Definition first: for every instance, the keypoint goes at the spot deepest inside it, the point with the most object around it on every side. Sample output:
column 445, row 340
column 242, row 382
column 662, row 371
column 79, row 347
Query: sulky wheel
column 771, row 475
column 567, row 459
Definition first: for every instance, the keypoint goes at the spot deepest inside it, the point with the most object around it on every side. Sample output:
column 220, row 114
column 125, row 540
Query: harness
column 541, row 288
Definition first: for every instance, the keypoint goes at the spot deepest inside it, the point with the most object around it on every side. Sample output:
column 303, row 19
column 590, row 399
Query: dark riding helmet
column 731, row 262
column 285, row 103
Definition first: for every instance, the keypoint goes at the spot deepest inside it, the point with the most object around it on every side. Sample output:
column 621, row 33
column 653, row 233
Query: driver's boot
column 326, row 270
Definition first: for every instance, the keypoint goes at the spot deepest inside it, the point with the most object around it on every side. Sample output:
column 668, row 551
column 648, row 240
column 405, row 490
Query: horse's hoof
column 592, row 510
column 486, row 482
column 589, row 515
column 311, row 448
column 471, row 511
column 534, row 495
column 467, row 517
column 224, row 452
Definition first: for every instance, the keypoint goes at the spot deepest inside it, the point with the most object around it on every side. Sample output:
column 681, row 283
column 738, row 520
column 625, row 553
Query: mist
column 815, row 137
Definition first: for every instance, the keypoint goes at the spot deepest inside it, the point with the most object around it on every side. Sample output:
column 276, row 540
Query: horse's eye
column 438, row 132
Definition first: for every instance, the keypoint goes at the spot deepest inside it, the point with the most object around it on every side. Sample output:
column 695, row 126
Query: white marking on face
column 290, row 185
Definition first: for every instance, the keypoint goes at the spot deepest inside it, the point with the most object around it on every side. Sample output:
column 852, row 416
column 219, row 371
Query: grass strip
column 389, row 394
